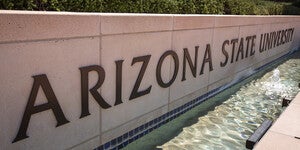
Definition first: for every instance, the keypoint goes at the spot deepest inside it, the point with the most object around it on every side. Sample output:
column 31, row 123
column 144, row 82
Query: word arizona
column 41, row 82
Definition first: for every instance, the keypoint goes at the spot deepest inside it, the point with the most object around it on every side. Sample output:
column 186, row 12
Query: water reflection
column 230, row 124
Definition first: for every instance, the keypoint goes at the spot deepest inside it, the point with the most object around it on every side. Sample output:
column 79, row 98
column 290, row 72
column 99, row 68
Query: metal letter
column 118, row 82
column 223, row 64
column 186, row 56
column 40, row 81
column 159, row 65
column 135, row 93
column 207, row 58
column 85, row 89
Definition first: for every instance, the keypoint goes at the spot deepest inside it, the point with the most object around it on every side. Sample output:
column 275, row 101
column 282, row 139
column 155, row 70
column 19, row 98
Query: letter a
column 40, row 81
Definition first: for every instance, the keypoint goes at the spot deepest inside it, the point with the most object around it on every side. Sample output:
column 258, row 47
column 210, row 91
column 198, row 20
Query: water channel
column 226, row 120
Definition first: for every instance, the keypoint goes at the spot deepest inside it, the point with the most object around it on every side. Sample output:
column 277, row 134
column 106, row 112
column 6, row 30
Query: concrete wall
column 53, row 46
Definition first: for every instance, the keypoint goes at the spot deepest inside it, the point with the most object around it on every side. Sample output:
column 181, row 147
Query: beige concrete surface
column 277, row 141
column 41, row 26
column 135, row 23
column 283, row 132
column 193, row 22
column 60, row 61
column 289, row 122
column 126, row 47
column 132, row 124
column 185, row 99
column 189, row 40
column 296, row 100
column 219, row 36
column 87, row 145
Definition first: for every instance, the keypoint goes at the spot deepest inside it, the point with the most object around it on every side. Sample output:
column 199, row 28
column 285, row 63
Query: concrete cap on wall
column 19, row 26
column 135, row 23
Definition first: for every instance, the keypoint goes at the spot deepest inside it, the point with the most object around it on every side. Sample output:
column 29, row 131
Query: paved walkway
column 284, row 132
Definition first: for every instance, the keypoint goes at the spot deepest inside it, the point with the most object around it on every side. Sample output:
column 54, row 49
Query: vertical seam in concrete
column 239, row 31
column 100, row 50
column 213, row 50
column 269, row 29
column 170, row 67
column 236, row 71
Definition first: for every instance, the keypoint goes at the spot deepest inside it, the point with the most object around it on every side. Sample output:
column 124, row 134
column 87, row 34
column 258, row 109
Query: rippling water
column 229, row 118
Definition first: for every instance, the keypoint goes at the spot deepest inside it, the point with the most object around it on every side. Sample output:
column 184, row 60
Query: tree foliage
column 236, row 7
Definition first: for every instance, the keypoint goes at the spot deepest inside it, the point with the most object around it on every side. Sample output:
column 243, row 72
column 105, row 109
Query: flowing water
column 229, row 118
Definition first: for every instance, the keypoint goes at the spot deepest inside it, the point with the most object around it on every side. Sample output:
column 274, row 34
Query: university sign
column 240, row 48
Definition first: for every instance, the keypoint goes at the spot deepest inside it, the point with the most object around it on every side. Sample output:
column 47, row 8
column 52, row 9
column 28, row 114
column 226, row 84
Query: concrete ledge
column 184, row 22
column 237, row 20
column 283, row 132
column 135, row 23
column 274, row 140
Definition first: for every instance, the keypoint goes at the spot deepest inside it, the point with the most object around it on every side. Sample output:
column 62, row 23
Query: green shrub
column 116, row 6
column 162, row 6
column 17, row 4
column 291, row 10
column 239, row 7
column 275, row 9
column 209, row 6
column 186, row 6
column 269, row 8
column 236, row 7
column 296, row 3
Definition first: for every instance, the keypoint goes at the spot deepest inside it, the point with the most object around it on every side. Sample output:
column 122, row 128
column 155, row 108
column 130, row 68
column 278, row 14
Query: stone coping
column 17, row 24
column 285, row 132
